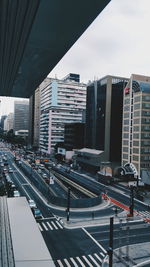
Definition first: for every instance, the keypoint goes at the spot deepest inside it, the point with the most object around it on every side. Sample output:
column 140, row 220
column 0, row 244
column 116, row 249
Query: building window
column 137, row 99
column 125, row 142
column 136, row 158
column 136, row 106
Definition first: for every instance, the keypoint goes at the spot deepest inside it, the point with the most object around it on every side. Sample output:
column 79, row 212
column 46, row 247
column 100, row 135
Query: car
column 13, row 187
column 5, row 171
column 10, row 170
column 39, row 171
column 32, row 204
column 41, row 166
column 44, row 176
column 37, row 213
column 16, row 193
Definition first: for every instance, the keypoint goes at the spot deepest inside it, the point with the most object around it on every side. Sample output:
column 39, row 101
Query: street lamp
column 68, row 205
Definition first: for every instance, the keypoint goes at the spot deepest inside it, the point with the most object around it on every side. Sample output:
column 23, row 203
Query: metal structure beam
column 35, row 35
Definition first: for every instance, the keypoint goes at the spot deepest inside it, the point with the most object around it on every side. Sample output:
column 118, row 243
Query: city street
column 77, row 244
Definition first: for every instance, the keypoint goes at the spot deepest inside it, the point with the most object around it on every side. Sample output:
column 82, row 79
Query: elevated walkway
column 22, row 244
column 6, row 249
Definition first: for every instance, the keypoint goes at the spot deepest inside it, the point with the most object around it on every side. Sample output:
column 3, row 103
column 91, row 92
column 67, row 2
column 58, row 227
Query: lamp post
column 110, row 250
column 131, row 200
column 68, row 205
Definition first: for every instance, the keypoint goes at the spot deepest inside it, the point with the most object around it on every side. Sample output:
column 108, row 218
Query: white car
column 16, row 193
column 32, row 203
column 10, row 170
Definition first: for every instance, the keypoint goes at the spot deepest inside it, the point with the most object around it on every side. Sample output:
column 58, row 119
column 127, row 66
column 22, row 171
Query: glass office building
column 104, row 116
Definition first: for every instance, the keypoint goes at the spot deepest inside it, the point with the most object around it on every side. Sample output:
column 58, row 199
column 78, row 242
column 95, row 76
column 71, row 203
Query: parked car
column 37, row 213
column 16, row 193
column 32, row 204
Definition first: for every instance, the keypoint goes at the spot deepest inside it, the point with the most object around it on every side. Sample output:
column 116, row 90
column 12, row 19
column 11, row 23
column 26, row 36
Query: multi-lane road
column 83, row 245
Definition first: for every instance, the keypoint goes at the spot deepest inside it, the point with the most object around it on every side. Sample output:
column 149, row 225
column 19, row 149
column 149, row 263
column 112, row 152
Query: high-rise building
column 136, row 125
column 104, row 116
column 21, row 115
column 36, row 118
column 31, row 121
column 74, row 135
column 3, row 117
column 8, row 122
column 62, row 101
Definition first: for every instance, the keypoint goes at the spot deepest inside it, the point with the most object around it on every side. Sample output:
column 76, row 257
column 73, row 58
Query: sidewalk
column 77, row 223
column 136, row 255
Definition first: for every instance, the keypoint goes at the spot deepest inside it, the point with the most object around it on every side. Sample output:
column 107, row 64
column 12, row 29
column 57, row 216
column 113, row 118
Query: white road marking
column 41, row 229
column 98, row 257
column 60, row 263
column 87, row 261
column 67, row 263
column 79, row 260
column 54, row 225
column 59, row 225
column 45, row 226
column 102, row 254
column 99, row 245
column 22, row 187
column 73, row 261
column 95, row 262
column 50, row 226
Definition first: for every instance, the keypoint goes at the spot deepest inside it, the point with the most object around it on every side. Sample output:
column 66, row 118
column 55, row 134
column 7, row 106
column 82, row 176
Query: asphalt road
column 85, row 246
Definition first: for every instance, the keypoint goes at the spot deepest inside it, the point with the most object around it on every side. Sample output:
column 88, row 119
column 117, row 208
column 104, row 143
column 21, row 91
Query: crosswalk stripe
column 146, row 213
column 102, row 254
column 87, row 261
column 90, row 256
column 67, row 263
column 97, row 257
column 60, row 263
column 54, row 225
column 79, row 260
column 45, row 226
column 59, row 225
column 41, row 229
column 73, row 261
column 50, row 226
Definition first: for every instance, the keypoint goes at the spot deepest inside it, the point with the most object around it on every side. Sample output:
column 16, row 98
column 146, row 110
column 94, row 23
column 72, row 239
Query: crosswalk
column 93, row 260
column 144, row 214
column 49, row 225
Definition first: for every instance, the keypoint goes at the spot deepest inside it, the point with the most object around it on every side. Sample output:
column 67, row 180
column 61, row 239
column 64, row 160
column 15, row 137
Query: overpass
column 35, row 35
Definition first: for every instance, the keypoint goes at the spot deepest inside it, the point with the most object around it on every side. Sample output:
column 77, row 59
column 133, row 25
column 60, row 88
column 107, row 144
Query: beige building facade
column 136, row 125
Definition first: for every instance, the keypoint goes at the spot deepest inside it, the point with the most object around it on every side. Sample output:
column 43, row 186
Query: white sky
column 116, row 43
column 7, row 104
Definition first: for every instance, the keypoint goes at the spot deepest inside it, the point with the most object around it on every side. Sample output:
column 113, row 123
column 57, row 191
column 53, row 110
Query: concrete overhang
column 35, row 35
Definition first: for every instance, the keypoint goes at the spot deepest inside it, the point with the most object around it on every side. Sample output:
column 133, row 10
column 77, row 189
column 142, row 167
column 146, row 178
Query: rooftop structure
column 35, row 35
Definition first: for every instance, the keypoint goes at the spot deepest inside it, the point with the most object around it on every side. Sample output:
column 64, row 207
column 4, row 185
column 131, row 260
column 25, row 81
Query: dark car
column 37, row 213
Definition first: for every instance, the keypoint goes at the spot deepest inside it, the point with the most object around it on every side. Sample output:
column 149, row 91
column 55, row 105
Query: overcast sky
column 116, row 43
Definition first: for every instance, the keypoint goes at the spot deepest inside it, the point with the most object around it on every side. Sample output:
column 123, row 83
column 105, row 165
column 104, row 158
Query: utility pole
column 110, row 249
column 68, row 205
column 131, row 200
